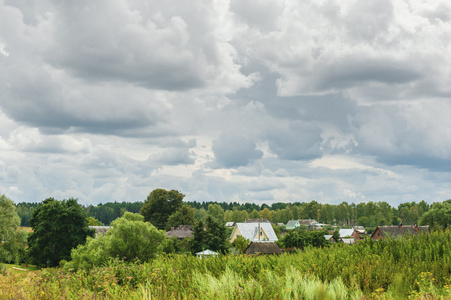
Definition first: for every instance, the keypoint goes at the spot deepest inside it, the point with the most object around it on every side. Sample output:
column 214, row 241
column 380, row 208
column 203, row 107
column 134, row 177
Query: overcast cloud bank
column 249, row 101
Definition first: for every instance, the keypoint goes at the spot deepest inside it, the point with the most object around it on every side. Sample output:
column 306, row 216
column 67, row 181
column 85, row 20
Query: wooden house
column 383, row 232
column 181, row 232
column 349, row 233
column 292, row 224
column 263, row 248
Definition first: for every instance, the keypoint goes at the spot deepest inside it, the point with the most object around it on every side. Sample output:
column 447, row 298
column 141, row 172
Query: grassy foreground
column 407, row 268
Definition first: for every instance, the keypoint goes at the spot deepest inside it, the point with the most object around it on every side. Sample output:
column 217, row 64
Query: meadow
column 404, row 268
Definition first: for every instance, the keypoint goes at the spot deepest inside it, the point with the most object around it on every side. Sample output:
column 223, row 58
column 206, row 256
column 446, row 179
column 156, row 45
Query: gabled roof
column 292, row 223
column 345, row 232
column 263, row 248
column 250, row 230
column 330, row 237
column 307, row 222
column 182, row 231
column 396, row 231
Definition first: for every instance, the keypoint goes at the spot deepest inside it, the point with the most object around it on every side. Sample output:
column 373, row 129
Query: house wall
column 263, row 236
column 355, row 235
column 377, row 234
column 235, row 233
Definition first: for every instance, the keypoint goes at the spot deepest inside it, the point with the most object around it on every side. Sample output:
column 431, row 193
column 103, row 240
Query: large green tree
column 12, row 240
column 216, row 212
column 197, row 243
column 438, row 216
column 133, row 238
column 304, row 238
column 160, row 204
column 183, row 216
column 212, row 237
column 58, row 227
column 130, row 238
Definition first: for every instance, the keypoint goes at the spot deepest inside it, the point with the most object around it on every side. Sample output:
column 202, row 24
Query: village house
column 292, row 224
column 263, row 248
column 230, row 224
column 100, row 230
column 349, row 233
column 181, row 232
column 307, row 222
column 331, row 238
column 254, row 232
column 382, row 232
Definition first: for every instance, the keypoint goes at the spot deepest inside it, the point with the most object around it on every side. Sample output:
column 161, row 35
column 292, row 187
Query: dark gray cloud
column 411, row 134
column 297, row 141
column 233, row 150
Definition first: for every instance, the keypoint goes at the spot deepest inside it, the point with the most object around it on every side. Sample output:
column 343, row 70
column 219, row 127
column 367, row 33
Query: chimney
column 172, row 228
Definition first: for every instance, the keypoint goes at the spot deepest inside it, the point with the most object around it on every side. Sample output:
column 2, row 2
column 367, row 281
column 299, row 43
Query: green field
column 405, row 268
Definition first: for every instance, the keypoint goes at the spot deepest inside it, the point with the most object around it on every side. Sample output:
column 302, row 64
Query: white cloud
column 391, row 54
column 227, row 100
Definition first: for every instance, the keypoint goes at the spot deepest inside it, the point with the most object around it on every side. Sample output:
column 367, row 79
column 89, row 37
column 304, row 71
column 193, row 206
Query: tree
column 25, row 211
column 58, row 227
column 94, row 222
column 198, row 242
column 216, row 236
column 304, row 238
column 130, row 238
column 200, row 214
column 439, row 215
column 241, row 243
column 160, row 204
column 311, row 210
column 212, row 237
column 183, row 216
column 254, row 214
column 12, row 240
column 216, row 212
column 265, row 214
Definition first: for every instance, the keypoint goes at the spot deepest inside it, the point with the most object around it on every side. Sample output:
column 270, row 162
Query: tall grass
column 410, row 267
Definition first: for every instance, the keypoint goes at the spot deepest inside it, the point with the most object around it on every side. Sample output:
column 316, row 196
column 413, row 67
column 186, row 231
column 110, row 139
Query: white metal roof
column 346, row 232
column 250, row 230
column 207, row 253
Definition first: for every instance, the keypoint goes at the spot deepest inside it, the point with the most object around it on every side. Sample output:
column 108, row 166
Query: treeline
column 370, row 214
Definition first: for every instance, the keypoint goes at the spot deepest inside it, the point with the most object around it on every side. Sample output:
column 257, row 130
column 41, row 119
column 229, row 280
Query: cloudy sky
column 244, row 100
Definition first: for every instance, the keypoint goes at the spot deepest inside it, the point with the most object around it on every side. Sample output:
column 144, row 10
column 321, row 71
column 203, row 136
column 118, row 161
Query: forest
column 369, row 214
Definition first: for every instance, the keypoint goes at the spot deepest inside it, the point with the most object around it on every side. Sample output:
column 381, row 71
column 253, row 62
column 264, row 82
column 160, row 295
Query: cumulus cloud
column 232, row 150
column 376, row 50
column 411, row 134
column 226, row 101
column 296, row 141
